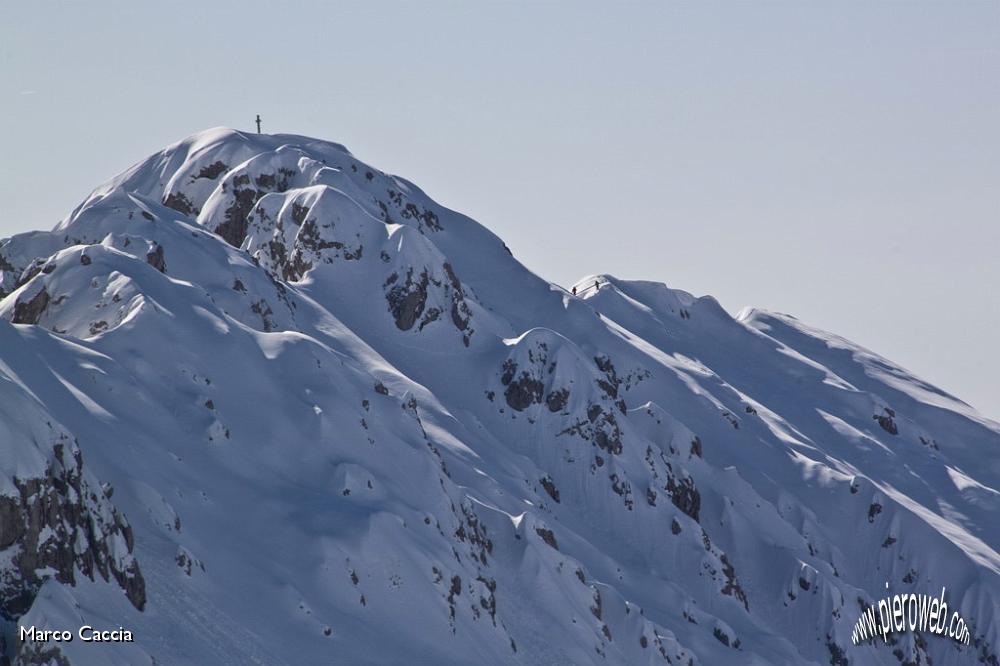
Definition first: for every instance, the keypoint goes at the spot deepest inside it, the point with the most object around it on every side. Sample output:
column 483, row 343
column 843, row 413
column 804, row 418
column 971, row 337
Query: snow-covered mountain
column 262, row 403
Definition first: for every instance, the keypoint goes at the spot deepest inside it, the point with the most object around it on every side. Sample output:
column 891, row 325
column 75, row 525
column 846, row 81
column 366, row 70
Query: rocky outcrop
column 155, row 258
column 242, row 190
column 29, row 311
column 407, row 298
column 420, row 298
column 886, row 421
column 523, row 389
column 58, row 525
column 684, row 495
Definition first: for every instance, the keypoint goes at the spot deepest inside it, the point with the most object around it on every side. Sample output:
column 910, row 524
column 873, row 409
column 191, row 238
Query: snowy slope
column 315, row 417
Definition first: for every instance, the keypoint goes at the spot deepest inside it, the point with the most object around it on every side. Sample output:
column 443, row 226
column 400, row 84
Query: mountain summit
column 261, row 402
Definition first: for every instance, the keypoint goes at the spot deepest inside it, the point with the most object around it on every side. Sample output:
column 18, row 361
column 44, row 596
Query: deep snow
column 342, row 424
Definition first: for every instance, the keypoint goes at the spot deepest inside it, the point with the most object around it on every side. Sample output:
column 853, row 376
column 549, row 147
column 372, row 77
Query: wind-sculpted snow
column 345, row 423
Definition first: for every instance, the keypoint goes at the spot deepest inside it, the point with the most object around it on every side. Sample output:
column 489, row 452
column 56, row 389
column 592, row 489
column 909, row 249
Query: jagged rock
column 30, row 311
column 684, row 495
column 548, row 536
column 155, row 258
column 550, row 488
column 57, row 524
column 886, row 422
column 406, row 300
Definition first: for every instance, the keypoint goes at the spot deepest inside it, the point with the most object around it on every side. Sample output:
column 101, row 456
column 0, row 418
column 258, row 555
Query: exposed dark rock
column 550, row 487
column 547, row 536
column 155, row 258
column 489, row 602
column 183, row 561
column 930, row 443
column 212, row 171
column 523, row 392
column 244, row 197
column 623, row 489
column 407, row 300
column 461, row 314
column 886, row 422
column 557, row 399
column 597, row 608
column 426, row 218
column 263, row 309
column 601, row 428
column 299, row 213
column 53, row 525
column 472, row 531
column 509, row 370
column 233, row 229
column 609, row 436
column 837, row 656
column 684, row 495
column 29, row 312
column 732, row 587
column 180, row 203
column 611, row 382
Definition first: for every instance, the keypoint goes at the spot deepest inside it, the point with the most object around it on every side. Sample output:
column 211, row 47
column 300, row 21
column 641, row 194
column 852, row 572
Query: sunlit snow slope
column 263, row 403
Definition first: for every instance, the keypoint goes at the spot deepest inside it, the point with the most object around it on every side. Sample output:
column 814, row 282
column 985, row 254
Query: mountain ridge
column 345, row 423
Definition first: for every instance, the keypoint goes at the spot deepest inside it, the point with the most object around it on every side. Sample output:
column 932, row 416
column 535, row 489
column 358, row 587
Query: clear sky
column 837, row 161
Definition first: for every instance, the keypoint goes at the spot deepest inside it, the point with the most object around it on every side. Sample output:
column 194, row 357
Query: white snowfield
column 262, row 403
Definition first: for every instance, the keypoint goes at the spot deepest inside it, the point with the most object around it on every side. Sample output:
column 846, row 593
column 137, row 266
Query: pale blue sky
column 837, row 161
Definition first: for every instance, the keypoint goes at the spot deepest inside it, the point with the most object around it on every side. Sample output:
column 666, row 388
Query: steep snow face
column 263, row 403
column 57, row 522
